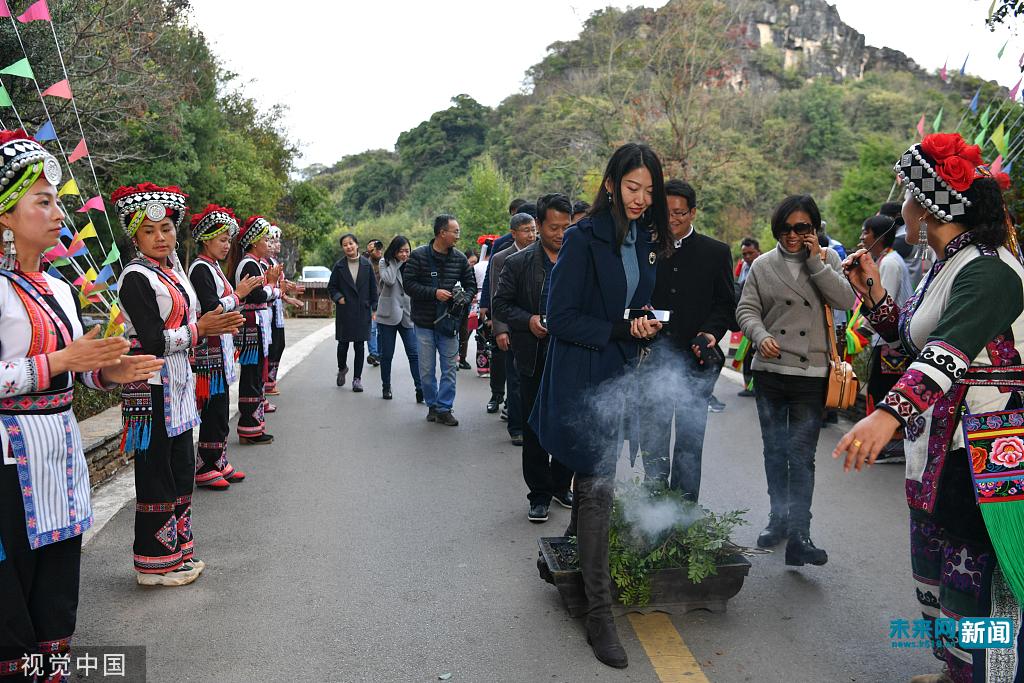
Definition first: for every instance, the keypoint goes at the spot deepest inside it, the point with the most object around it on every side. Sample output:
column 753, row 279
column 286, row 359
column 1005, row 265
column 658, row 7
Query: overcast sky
column 355, row 75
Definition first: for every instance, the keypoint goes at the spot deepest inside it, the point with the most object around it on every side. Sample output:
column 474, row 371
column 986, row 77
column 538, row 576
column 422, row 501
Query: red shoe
column 218, row 484
column 269, row 407
column 236, row 476
column 272, row 390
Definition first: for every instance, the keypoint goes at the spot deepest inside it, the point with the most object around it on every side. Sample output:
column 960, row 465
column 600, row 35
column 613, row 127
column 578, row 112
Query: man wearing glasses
column 694, row 282
column 440, row 282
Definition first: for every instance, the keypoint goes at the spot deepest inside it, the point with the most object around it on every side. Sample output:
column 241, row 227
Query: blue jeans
column 388, row 336
column 439, row 395
column 373, row 344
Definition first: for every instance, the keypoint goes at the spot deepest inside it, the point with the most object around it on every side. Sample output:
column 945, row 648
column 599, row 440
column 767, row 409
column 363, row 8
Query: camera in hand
column 459, row 304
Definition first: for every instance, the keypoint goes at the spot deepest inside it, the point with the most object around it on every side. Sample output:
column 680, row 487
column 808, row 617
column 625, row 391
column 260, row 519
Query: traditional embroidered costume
column 214, row 357
column 44, row 478
column 277, row 339
column 160, row 308
column 964, row 327
column 253, row 341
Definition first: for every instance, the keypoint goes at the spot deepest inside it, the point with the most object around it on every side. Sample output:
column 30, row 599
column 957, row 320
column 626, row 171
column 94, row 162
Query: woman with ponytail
column 959, row 401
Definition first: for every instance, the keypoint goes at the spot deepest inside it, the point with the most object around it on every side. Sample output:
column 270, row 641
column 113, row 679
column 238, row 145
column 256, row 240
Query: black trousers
column 499, row 371
column 544, row 475
column 789, row 410
column 164, row 475
column 38, row 588
column 359, row 348
column 213, row 436
column 691, row 420
column 251, row 394
column 277, row 344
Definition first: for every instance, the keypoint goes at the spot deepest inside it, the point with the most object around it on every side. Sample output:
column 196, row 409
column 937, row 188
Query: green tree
column 375, row 188
column 482, row 207
column 864, row 188
column 449, row 138
column 309, row 209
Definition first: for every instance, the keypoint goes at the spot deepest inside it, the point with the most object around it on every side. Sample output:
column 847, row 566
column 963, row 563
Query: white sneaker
column 179, row 577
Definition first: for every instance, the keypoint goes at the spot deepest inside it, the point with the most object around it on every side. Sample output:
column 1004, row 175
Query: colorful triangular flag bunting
column 70, row 187
column 113, row 255
column 94, row 203
column 60, row 89
column 79, row 152
column 19, row 68
column 37, row 11
column 46, row 132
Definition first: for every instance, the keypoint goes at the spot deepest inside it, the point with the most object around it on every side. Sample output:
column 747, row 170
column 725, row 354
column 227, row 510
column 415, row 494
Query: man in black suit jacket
column 695, row 283
column 521, row 302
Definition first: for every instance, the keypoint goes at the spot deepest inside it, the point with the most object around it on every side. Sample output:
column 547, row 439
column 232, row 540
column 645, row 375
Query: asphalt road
column 369, row 545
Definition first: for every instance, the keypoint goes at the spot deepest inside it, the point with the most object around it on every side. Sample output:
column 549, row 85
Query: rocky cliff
column 806, row 39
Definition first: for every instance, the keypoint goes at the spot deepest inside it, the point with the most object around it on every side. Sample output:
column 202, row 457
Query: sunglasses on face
column 801, row 229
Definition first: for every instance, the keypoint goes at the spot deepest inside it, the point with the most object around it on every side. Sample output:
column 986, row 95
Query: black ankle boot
column 603, row 638
column 773, row 533
column 386, row 392
column 801, row 550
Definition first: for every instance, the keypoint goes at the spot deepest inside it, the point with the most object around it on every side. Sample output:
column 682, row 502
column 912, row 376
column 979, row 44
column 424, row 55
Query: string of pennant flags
column 93, row 277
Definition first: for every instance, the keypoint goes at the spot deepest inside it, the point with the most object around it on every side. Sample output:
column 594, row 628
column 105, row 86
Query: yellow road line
column 672, row 660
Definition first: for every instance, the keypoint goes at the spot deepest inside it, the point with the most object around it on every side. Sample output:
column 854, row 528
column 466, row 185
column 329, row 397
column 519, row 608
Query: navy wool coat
column 352, row 319
column 576, row 418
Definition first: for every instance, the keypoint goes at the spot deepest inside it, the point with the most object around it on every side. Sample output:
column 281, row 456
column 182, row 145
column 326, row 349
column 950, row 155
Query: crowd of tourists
column 571, row 305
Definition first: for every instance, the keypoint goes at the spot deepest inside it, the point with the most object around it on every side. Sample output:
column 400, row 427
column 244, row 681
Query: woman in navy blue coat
column 606, row 265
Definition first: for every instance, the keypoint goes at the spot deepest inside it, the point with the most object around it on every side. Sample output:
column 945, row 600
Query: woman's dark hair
column 795, row 202
column 627, row 158
column 513, row 206
column 555, row 201
column 986, row 217
column 397, row 242
column 344, row 237
column 681, row 188
column 441, row 223
column 882, row 228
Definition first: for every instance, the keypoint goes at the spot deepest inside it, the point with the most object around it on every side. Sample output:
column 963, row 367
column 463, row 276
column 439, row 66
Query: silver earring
column 922, row 238
column 608, row 196
column 10, row 258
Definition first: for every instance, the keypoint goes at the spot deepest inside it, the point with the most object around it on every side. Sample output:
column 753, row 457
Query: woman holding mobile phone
column 606, row 264
column 781, row 311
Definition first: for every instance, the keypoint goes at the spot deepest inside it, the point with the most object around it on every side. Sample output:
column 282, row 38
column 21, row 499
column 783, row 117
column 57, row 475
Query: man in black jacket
column 432, row 278
column 694, row 283
column 521, row 302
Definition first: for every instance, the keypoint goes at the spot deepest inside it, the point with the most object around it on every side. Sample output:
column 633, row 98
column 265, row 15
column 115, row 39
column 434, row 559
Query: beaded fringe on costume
column 247, row 342
column 137, row 416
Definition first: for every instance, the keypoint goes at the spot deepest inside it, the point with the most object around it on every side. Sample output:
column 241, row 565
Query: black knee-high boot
column 594, row 496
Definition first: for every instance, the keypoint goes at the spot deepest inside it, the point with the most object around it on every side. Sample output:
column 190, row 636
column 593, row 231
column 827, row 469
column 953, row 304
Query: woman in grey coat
column 393, row 316
column 782, row 312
